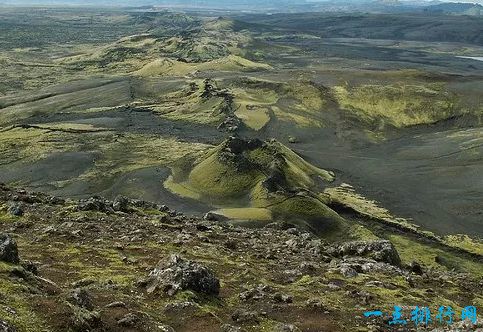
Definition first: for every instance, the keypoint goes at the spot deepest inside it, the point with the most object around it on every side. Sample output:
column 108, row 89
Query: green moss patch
column 254, row 180
column 261, row 214
column 411, row 250
column 399, row 105
column 464, row 242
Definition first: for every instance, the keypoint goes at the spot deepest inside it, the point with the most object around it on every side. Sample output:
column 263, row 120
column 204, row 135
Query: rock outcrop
column 176, row 274
column 379, row 250
column 6, row 327
column 8, row 249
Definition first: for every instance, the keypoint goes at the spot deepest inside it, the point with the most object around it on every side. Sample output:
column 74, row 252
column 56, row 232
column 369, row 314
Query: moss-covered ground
column 120, row 101
column 108, row 253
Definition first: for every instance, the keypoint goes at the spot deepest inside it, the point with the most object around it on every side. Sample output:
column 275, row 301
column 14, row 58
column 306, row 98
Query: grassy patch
column 301, row 120
column 400, row 105
column 345, row 195
column 309, row 212
column 254, row 117
column 246, row 213
column 15, row 304
column 136, row 151
column 32, row 144
column 170, row 67
column 5, row 216
column 308, row 95
column 70, row 127
column 187, row 104
column 360, row 232
column 464, row 242
column 411, row 250
column 219, row 180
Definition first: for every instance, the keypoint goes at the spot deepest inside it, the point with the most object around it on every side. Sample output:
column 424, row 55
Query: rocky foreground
column 128, row 265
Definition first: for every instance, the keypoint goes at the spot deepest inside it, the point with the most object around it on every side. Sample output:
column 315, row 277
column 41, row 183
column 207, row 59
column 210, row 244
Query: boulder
column 16, row 210
column 212, row 216
column 120, row 204
column 283, row 327
column 176, row 273
column 8, row 249
column 416, row 268
column 6, row 327
column 238, row 145
column 282, row 298
column 348, row 272
column 81, row 298
column 352, row 266
column 465, row 325
column 256, row 293
column 56, row 200
column 142, row 204
column 116, row 304
column 129, row 320
column 94, row 203
column 84, row 320
column 83, row 317
column 165, row 328
column 379, row 250
column 245, row 316
column 230, row 328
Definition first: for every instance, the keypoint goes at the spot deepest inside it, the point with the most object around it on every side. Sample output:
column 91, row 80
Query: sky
column 194, row 2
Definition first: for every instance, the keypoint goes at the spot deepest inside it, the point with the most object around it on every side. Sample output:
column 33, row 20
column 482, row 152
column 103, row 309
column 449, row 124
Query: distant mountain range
column 456, row 8
column 370, row 6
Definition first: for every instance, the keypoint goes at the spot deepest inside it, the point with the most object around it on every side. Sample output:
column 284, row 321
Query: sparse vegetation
column 399, row 106
column 334, row 162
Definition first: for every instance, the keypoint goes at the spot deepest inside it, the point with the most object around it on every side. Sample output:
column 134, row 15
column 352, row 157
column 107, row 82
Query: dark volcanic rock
column 165, row 328
column 8, row 249
column 16, row 210
column 352, row 266
column 283, row 298
column 238, row 145
column 282, row 327
column 129, row 320
column 143, row 204
column 163, row 208
column 30, row 267
column 85, row 320
column 348, row 272
column 83, row 317
column 94, row 203
column 56, row 200
column 245, row 316
column 230, row 328
column 231, row 124
column 176, row 274
column 6, row 327
column 256, row 293
column 120, row 204
column 116, row 304
column 276, row 180
column 379, row 250
column 210, row 89
column 81, row 298
column 416, row 268
column 212, row 216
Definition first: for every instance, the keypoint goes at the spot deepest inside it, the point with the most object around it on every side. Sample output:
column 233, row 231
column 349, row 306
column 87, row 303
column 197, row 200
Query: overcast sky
column 194, row 2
